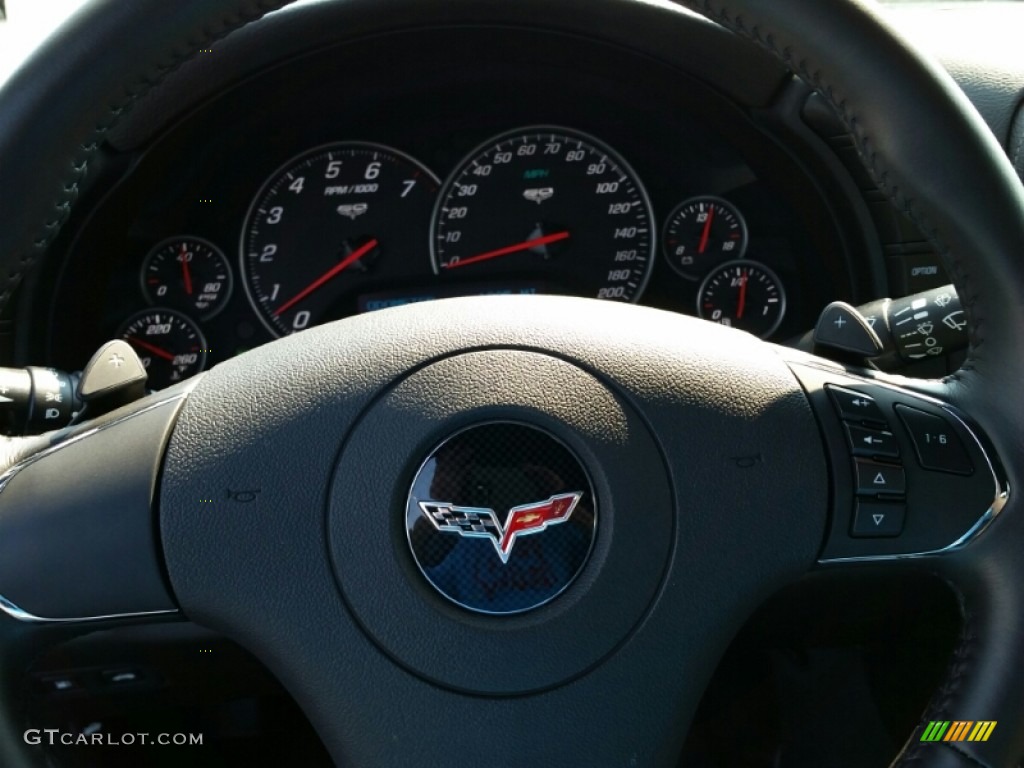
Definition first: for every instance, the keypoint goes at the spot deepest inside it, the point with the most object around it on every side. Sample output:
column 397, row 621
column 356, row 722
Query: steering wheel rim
column 864, row 69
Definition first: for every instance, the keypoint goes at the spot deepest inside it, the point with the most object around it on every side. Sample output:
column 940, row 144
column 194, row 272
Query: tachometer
column 549, row 205
column 327, row 225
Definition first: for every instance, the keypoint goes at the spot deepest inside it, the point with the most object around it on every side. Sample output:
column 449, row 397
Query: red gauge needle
column 742, row 304
column 524, row 246
column 158, row 351
column 330, row 274
column 707, row 230
column 185, row 270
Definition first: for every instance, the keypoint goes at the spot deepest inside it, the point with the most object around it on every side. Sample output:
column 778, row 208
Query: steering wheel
column 522, row 530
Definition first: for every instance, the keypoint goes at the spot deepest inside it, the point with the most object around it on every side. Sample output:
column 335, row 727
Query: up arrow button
column 874, row 478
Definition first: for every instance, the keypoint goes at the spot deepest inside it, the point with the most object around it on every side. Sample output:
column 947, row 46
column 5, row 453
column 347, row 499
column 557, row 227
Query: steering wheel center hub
column 477, row 526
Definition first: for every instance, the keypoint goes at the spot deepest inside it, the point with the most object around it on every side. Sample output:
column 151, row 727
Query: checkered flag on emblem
column 464, row 520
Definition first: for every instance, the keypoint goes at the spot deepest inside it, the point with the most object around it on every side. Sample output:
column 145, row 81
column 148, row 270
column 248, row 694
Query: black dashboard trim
column 669, row 32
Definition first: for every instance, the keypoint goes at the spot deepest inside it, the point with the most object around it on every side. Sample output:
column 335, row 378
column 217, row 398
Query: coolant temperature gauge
column 169, row 344
column 743, row 294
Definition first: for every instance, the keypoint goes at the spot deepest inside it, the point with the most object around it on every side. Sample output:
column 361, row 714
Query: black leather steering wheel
column 267, row 499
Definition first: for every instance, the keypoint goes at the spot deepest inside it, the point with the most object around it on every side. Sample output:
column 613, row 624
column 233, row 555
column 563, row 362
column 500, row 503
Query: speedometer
column 550, row 206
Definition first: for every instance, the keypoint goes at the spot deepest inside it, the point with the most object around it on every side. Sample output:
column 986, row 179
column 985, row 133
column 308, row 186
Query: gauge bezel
column 254, row 304
column 204, row 344
column 594, row 143
column 746, row 263
column 222, row 303
column 717, row 200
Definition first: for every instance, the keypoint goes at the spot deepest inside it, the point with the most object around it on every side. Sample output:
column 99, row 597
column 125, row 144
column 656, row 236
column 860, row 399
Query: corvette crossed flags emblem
column 483, row 523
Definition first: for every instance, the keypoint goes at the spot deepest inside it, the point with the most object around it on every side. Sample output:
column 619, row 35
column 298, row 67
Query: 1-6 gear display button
column 936, row 443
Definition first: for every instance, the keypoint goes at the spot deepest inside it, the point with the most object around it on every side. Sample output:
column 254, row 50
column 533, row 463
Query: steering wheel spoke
column 77, row 522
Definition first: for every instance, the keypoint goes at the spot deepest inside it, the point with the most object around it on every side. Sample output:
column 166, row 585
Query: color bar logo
column 958, row 730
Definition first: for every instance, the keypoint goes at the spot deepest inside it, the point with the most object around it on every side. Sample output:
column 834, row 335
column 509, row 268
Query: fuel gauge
column 743, row 294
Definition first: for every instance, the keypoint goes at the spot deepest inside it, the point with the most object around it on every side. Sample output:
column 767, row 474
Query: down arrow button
column 872, row 519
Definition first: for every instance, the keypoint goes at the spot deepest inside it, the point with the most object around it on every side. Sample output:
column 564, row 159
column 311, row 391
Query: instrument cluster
column 339, row 229
column 239, row 226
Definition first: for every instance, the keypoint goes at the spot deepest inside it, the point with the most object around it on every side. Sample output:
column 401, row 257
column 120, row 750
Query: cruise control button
column 936, row 443
column 874, row 478
column 855, row 406
column 871, row 442
column 875, row 519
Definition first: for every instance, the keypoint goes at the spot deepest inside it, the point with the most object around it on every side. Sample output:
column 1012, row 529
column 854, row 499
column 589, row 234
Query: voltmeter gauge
column 701, row 233
column 187, row 273
column 743, row 294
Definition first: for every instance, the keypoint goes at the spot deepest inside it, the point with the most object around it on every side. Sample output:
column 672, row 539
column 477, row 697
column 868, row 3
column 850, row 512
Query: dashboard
column 302, row 171
column 477, row 160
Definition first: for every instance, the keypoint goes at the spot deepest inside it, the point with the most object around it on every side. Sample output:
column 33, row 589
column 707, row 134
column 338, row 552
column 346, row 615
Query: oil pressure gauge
column 743, row 294
column 187, row 273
